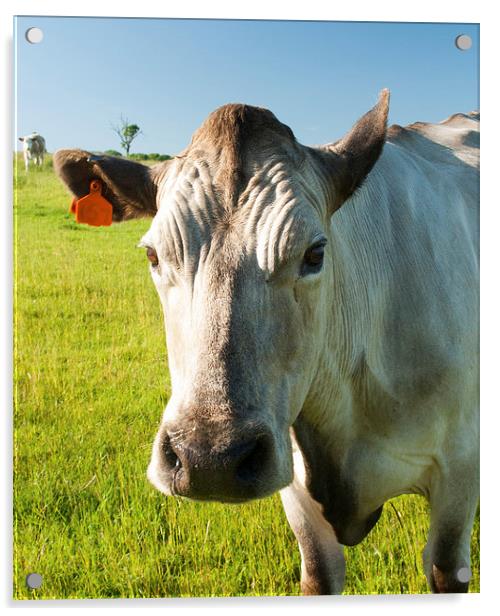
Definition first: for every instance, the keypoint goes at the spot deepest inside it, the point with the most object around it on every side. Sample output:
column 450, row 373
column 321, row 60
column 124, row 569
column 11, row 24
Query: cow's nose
column 234, row 472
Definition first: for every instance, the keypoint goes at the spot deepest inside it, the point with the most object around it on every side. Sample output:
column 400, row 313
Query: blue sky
column 167, row 75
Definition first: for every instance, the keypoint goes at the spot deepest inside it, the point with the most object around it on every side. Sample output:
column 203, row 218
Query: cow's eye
column 313, row 258
column 152, row 256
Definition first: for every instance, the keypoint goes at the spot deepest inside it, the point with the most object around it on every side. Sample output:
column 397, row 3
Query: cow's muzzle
column 224, row 469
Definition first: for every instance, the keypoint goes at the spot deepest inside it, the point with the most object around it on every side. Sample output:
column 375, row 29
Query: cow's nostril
column 253, row 461
column 171, row 458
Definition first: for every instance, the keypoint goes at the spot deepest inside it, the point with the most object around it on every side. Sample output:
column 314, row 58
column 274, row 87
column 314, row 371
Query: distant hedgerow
column 153, row 156
column 112, row 153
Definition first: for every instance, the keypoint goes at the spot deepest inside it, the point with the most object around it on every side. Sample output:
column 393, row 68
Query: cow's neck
column 331, row 428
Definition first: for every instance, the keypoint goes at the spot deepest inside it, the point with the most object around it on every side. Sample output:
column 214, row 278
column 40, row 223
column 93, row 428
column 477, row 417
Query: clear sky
column 167, row 75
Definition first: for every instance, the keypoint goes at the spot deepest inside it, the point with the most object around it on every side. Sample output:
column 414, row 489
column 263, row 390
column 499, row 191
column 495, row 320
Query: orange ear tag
column 93, row 209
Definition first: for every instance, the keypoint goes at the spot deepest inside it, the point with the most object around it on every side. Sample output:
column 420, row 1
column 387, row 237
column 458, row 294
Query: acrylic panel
column 246, row 308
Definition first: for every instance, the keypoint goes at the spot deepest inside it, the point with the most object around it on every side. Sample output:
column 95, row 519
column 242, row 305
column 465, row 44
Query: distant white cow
column 33, row 148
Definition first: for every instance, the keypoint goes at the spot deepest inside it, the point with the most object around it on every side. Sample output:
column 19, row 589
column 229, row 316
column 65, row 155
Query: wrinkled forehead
column 271, row 214
column 194, row 186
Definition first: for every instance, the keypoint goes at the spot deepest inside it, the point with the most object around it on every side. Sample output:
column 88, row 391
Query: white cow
column 321, row 307
column 33, row 148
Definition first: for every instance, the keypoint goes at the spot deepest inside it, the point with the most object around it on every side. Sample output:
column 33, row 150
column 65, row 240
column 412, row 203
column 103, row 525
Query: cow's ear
column 349, row 160
column 129, row 186
column 21, row 138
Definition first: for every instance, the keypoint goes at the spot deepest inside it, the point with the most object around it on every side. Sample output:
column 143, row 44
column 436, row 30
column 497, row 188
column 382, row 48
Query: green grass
column 91, row 384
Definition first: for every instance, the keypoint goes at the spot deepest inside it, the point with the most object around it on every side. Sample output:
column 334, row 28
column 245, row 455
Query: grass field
column 91, row 384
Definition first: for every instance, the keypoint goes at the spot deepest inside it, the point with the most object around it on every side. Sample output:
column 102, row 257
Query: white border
column 378, row 10
column 382, row 10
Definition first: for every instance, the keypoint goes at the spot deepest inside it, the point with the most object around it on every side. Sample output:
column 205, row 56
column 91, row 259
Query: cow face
column 242, row 290
column 239, row 252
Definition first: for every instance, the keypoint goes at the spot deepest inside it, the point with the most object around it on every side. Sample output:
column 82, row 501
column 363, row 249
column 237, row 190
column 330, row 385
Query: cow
column 321, row 313
column 33, row 148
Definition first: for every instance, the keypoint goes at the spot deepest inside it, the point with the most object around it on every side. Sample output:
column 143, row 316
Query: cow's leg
column 26, row 161
column 323, row 564
column 447, row 553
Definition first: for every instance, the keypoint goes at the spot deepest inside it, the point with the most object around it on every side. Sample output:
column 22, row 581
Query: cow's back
column 459, row 134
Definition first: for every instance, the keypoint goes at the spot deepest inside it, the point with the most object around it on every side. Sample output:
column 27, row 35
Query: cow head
column 239, row 251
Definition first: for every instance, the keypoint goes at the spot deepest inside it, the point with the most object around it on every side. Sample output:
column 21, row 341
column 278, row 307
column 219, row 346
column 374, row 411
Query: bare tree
column 127, row 133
